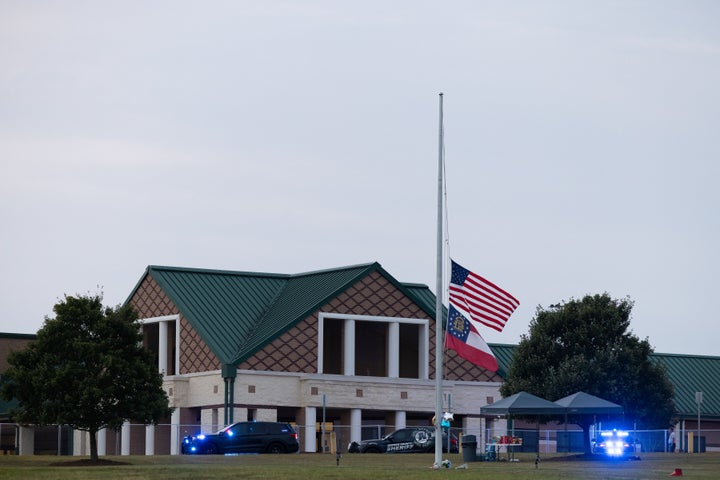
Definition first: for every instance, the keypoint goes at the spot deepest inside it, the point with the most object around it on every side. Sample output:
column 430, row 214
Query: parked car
column 405, row 440
column 244, row 437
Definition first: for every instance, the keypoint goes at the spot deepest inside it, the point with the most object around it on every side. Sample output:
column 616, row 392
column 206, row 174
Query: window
column 371, row 349
column 373, row 346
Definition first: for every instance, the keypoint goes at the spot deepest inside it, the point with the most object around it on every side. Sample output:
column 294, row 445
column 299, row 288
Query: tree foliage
column 584, row 345
column 87, row 369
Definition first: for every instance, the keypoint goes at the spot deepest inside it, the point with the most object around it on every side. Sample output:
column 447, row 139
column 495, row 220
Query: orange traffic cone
column 677, row 473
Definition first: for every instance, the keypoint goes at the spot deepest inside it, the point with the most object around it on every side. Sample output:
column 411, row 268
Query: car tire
column 372, row 450
column 211, row 449
column 276, row 448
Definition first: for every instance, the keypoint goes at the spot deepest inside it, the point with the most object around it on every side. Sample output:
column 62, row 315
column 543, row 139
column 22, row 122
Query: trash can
column 469, row 448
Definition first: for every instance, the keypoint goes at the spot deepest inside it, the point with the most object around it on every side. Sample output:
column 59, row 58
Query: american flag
column 480, row 300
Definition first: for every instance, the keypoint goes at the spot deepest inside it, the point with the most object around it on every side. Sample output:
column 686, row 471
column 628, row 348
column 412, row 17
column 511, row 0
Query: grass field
column 375, row 467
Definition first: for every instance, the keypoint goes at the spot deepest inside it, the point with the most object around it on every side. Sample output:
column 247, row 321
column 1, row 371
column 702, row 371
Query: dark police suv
column 244, row 437
column 405, row 440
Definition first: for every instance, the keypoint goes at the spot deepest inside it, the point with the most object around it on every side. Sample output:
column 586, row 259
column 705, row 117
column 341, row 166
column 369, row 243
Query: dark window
column 409, row 350
column 333, row 346
column 371, row 349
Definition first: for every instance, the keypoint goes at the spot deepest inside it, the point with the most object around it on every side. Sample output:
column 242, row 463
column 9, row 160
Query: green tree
column 584, row 345
column 87, row 369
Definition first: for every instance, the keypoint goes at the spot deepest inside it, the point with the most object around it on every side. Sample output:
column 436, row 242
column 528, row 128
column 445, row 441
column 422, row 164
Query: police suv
column 405, row 440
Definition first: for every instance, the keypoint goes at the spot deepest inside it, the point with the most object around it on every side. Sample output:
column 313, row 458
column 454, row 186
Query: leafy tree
column 87, row 369
column 584, row 345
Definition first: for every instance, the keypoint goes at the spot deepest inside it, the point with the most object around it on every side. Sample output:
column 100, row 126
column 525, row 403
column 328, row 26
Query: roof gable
column 301, row 295
column 237, row 313
column 221, row 306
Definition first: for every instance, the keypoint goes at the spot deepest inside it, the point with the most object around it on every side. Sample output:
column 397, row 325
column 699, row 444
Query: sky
column 581, row 148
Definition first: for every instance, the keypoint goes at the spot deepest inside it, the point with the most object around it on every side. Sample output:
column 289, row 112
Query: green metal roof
column 238, row 313
column 503, row 353
column 687, row 373
column 690, row 374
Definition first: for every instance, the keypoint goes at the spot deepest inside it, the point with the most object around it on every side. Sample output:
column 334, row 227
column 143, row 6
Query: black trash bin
column 469, row 448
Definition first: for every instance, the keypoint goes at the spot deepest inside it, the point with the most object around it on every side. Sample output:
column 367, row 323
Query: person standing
column 671, row 440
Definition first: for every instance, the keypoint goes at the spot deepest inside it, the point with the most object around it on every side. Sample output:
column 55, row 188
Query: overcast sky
column 281, row 136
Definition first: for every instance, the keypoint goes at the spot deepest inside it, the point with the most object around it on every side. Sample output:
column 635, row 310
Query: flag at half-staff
column 479, row 300
column 475, row 302
column 462, row 337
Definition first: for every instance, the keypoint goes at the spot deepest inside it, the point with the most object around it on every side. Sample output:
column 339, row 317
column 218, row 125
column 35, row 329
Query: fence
column 58, row 440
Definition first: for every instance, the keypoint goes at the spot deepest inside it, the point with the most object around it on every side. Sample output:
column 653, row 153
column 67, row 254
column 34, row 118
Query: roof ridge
column 217, row 271
column 685, row 355
column 260, row 274
column 334, row 269
column 251, row 332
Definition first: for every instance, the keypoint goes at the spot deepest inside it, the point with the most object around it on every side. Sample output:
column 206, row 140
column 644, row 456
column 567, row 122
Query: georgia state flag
column 462, row 337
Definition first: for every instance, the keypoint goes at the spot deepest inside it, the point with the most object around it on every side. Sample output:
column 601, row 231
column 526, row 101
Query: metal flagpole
column 439, row 300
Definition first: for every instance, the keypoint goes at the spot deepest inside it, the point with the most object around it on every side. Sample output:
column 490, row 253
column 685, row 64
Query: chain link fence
column 335, row 438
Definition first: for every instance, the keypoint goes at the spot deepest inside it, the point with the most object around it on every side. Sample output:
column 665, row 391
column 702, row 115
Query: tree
column 584, row 345
column 87, row 369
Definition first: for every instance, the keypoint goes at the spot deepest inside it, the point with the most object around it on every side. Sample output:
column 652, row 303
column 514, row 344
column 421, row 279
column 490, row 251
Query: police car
column 244, row 437
column 405, row 440
column 614, row 443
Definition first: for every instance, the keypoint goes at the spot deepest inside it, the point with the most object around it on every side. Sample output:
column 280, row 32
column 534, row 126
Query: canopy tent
column 522, row 403
column 582, row 403
column 525, row 404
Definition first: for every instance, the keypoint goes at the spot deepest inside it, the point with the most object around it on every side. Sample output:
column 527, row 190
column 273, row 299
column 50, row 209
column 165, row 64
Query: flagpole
column 439, row 300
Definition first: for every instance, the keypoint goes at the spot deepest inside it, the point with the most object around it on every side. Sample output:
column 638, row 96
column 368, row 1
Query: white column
column 163, row 349
column 27, row 441
column 175, row 432
column 349, row 348
column 393, row 349
column 102, row 442
column 241, row 414
column 80, row 443
column 400, row 419
column 208, row 420
column 310, row 421
column 473, row 426
column 149, row 439
column 483, row 434
column 125, row 438
column 424, row 352
column 355, row 425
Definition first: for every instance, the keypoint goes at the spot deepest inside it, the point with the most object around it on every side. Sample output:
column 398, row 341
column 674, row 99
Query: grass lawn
column 375, row 467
